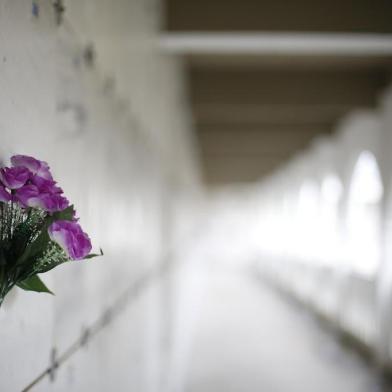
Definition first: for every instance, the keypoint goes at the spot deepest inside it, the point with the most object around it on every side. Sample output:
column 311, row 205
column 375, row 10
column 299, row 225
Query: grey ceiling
column 252, row 112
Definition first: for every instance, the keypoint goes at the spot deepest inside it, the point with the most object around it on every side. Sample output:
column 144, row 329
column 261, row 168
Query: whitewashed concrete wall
column 117, row 136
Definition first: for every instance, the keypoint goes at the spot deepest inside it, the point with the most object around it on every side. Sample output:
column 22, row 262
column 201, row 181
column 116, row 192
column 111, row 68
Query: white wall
column 118, row 138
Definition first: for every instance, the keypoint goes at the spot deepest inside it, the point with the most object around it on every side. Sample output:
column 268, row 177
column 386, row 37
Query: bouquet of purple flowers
column 38, row 227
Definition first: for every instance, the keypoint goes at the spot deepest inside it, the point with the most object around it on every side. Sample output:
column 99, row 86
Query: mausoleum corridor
column 195, row 196
column 248, row 337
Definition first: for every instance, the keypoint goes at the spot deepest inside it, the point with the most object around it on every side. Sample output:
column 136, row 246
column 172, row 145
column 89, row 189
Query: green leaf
column 91, row 255
column 36, row 247
column 53, row 257
column 34, row 283
column 67, row 214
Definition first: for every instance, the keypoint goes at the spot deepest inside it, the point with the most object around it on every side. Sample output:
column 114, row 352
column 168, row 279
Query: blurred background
column 233, row 159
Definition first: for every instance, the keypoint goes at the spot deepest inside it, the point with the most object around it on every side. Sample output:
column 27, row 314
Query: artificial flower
column 37, row 167
column 70, row 236
column 14, row 177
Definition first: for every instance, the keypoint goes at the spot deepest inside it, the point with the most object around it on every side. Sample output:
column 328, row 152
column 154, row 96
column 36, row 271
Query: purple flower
column 4, row 195
column 54, row 202
column 27, row 196
column 45, row 186
column 70, row 236
column 14, row 177
column 31, row 196
column 39, row 168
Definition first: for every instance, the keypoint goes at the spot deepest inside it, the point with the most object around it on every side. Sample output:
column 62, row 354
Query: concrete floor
column 248, row 338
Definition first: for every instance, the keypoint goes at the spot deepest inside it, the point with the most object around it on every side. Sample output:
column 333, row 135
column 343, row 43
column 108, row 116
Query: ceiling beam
column 373, row 16
column 327, row 44
column 268, row 114
column 284, row 62
column 253, row 86
column 275, row 140
column 233, row 169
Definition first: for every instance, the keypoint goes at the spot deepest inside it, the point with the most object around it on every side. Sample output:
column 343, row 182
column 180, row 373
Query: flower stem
column 12, row 213
column 3, row 292
column 2, row 223
column 2, row 284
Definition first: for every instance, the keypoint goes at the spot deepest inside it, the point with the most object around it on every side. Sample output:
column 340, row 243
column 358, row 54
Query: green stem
column 2, row 288
column 5, row 284
column 12, row 214
column 5, row 288
column 2, row 221
column 28, row 214
column 3, row 293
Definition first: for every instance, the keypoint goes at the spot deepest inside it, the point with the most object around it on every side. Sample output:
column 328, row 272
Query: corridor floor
column 248, row 338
